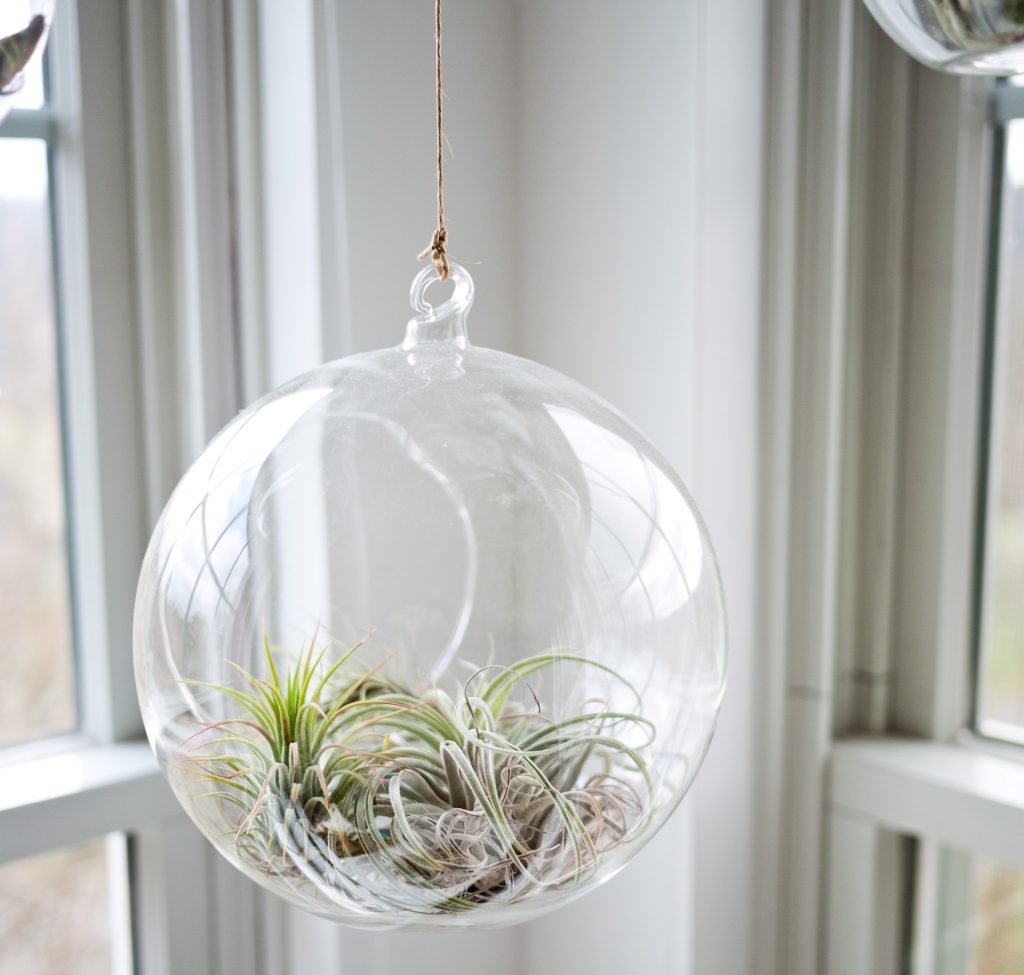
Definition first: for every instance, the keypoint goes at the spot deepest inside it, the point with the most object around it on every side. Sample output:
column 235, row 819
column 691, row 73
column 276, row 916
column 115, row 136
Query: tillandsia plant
column 973, row 25
column 383, row 798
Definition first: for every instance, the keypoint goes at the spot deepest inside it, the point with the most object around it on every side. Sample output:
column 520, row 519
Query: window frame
column 875, row 272
column 141, row 179
column 1007, row 105
column 107, row 709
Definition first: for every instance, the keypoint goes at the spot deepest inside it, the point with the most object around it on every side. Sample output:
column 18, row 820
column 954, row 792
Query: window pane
column 37, row 692
column 977, row 926
column 55, row 913
column 1001, row 684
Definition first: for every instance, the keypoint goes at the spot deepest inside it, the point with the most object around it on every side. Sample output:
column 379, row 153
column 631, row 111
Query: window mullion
column 1007, row 103
column 64, row 798
column 939, row 444
column 30, row 123
column 864, row 895
column 107, row 535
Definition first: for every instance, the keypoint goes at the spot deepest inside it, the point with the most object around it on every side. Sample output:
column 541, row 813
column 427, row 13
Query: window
column 56, row 911
column 58, row 907
column 900, row 772
column 1000, row 680
column 975, row 921
column 90, row 838
column 37, row 698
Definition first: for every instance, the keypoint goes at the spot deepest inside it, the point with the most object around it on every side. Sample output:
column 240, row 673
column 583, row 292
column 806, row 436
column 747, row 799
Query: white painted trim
column 872, row 397
column 784, row 103
column 203, row 248
column 79, row 794
column 119, row 901
column 876, row 298
column 158, row 298
column 174, row 933
column 958, row 797
column 807, row 504
column 863, row 931
column 291, row 211
column 102, row 415
column 247, row 198
column 29, row 123
column 941, row 396
column 332, row 190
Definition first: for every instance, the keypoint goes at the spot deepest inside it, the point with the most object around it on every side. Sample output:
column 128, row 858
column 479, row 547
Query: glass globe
column 959, row 36
column 431, row 636
column 24, row 31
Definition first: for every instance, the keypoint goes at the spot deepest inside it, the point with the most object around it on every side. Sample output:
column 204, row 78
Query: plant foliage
column 338, row 775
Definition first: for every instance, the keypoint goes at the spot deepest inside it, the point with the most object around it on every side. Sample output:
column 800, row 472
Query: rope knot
column 437, row 253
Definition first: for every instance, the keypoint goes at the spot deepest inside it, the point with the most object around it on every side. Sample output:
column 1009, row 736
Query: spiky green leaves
column 389, row 799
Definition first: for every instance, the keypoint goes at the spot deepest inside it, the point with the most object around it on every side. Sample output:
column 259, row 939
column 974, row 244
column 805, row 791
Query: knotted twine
column 436, row 250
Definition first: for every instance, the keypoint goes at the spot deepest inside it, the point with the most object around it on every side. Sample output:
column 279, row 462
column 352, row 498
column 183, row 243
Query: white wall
column 607, row 98
column 640, row 154
column 386, row 62
column 606, row 174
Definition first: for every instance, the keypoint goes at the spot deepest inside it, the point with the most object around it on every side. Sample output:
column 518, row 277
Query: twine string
column 436, row 250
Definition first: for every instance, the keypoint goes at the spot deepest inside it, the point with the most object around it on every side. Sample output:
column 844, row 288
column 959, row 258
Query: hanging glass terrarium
column 432, row 635
column 960, row 36
column 24, row 29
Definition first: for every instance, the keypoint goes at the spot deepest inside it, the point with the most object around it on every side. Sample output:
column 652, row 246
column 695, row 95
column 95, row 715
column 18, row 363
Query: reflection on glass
column 971, row 922
column 998, row 920
column 36, row 693
column 1001, row 687
column 54, row 913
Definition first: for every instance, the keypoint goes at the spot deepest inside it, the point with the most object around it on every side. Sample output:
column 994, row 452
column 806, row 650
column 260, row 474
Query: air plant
column 980, row 24
column 15, row 52
column 342, row 777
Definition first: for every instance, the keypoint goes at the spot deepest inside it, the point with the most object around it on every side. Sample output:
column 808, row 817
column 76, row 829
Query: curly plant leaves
column 342, row 778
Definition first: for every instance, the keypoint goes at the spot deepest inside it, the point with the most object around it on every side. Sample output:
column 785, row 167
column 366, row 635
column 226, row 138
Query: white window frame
column 100, row 780
column 876, row 242
column 153, row 364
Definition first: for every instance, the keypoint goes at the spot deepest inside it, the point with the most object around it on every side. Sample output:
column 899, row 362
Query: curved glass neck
column 450, row 330
column 441, row 325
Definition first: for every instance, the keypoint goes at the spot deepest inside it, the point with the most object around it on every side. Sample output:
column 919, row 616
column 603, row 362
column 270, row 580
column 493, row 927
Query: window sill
column 55, row 800
column 957, row 796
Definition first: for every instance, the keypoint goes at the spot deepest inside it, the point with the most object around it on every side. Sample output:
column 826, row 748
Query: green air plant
column 979, row 25
column 382, row 798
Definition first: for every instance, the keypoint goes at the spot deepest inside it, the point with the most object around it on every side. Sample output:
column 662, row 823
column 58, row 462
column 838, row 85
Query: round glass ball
column 431, row 636
column 960, row 36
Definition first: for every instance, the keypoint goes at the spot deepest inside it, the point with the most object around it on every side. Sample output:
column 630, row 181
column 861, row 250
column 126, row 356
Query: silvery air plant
column 959, row 36
column 980, row 25
column 472, row 799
